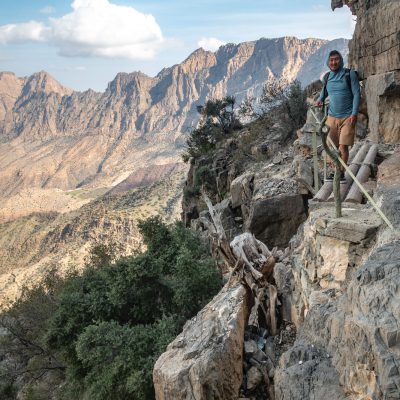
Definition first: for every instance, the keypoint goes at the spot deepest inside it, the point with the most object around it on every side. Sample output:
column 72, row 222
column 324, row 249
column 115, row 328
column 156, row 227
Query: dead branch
column 251, row 262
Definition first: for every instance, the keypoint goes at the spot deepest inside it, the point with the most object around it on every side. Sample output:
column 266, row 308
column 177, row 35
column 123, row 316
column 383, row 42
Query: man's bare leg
column 344, row 152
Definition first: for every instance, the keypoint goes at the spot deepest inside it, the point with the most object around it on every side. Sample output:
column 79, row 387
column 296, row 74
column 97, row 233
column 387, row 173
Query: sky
column 85, row 43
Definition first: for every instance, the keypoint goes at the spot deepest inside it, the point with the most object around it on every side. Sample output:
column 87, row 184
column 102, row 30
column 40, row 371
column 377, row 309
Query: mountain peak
column 198, row 60
column 123, row 80
column 42, row 81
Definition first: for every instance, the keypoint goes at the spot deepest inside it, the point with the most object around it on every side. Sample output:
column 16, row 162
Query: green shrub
column 217, row 119
column 206, row 178
column 113, row 322
column 190, row 192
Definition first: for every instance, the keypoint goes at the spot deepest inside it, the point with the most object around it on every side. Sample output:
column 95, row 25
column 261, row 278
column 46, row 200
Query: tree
column 25, row 360
column 113, row 322
column 282, row 102
column 217, row 119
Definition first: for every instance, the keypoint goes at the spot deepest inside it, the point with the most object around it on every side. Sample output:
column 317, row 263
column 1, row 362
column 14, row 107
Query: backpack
column 347, row 77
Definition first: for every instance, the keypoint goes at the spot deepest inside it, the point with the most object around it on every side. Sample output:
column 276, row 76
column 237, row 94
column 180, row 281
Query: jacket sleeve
column 355, row 88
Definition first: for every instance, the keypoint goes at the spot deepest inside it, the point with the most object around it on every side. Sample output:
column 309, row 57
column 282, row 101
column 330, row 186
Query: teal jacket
column 343, row 102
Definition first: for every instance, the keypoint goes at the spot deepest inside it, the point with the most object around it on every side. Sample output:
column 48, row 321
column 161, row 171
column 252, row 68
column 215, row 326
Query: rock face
column 52, row 137
column 340, row 289
column 361, row 330
column 375, row 52
column 205, row 360
column 306, row 372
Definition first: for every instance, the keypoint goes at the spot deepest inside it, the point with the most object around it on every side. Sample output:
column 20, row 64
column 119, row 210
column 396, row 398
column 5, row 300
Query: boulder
column 276, row 211
column 254, row 378
column 241, row 190
column 303, row 172
column 205, row 360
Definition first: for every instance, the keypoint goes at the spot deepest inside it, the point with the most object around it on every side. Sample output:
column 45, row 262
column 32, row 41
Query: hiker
column 343, row 88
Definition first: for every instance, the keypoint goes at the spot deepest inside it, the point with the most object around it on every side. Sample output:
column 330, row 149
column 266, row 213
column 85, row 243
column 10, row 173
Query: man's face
column 334, row 62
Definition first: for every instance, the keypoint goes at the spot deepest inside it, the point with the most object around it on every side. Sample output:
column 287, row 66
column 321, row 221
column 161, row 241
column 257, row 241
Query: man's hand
column 353, row 120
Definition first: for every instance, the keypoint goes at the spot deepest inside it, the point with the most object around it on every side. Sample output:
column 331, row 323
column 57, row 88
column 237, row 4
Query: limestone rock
column 276, row 210
column 205, row 360
column 388, row 188
column 383, row 94
column 254, row 378
column 241, row 190
column 306, row 373
column 375, row 53
column 361, row 331
column 375, row 47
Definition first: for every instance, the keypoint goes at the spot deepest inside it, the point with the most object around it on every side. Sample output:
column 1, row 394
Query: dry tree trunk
column 249, row 260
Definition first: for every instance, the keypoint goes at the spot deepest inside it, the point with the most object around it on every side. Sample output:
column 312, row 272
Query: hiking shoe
column 330, row 177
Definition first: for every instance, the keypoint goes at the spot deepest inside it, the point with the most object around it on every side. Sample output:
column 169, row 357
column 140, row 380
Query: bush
column 206, row 178
column 281, row 103
column 217, row 119
column 25, row 361
column 113, row 322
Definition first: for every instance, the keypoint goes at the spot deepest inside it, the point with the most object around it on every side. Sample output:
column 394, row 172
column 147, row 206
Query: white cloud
column 93, row 28
column 211, row 44
column 47, row 10
column 18, row 33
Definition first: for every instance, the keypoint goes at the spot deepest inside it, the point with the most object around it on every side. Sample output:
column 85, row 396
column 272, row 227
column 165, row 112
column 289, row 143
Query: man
column 343, row 88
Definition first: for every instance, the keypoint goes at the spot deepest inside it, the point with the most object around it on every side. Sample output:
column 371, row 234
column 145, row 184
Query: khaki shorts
column 341, row 131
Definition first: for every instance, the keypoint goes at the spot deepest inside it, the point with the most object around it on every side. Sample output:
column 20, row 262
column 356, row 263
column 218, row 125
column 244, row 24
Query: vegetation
column 280, row 111
column 281, row 103
column 103, row 330
column 217, row 119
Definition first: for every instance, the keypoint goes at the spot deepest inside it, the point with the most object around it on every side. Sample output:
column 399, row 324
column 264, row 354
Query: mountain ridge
column 66, row 139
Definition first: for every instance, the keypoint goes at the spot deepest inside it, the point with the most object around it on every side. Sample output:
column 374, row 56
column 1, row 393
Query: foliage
column 97, row 335
column 101, row 254
column 113, row 322
column 25, row 359
column 189, row 192
column 205, row 177
column 217, row 119
column 282, row 103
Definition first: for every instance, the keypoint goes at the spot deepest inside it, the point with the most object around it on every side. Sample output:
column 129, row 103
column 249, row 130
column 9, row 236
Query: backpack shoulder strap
column 325, row 82
column 348, row 78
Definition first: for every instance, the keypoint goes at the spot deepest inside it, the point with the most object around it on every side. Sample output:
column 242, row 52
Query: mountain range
column 52, row 137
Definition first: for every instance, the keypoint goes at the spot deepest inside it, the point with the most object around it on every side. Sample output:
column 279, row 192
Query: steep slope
column 33, row 244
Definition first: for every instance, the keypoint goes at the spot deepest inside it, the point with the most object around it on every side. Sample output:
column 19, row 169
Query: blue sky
column 85, row 43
